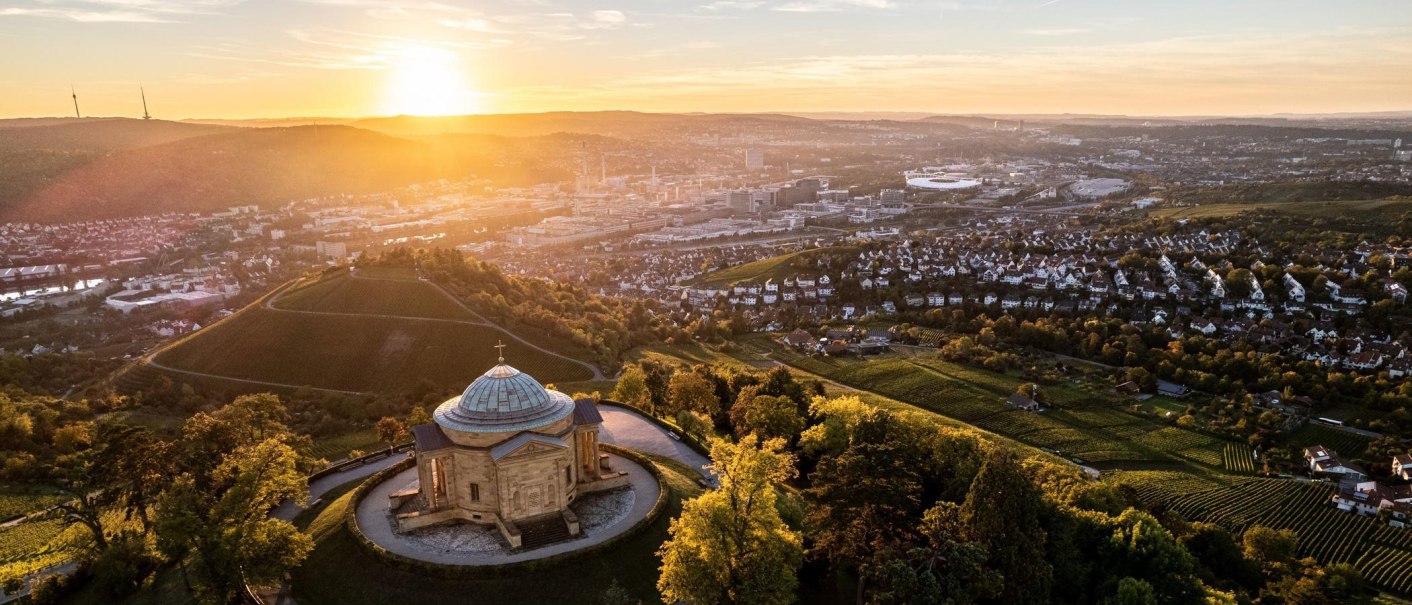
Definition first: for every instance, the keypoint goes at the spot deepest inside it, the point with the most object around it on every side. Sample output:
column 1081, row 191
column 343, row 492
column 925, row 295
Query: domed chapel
column 507, row 452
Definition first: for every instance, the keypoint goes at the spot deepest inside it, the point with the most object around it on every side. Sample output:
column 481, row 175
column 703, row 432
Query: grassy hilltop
column 370, row 335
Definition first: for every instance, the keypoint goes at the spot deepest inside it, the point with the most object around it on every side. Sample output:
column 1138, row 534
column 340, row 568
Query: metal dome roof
column 503, row 400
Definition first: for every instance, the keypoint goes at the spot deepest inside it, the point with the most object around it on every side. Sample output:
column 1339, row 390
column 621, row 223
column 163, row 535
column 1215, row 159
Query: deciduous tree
column 730, row 545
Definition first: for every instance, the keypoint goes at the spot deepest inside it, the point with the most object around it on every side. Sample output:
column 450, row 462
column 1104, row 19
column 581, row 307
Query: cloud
column 1057, row 31
column 604, row 19
column 84, row 16
column 830, row 6
column 721, row 5
column 1190, row 74
column 115, row 11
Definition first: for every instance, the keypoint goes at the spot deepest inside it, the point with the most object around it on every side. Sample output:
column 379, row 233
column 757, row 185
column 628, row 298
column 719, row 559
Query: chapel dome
column 503, row 400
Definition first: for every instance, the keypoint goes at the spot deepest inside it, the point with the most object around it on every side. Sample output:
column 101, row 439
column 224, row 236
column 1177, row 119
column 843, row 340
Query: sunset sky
column 263, row 58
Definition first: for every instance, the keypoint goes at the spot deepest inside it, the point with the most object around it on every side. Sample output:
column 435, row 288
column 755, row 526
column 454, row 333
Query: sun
column 428, row 81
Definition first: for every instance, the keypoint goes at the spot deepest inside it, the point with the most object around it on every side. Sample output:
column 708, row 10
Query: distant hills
column 76, row 170
column 64, row 169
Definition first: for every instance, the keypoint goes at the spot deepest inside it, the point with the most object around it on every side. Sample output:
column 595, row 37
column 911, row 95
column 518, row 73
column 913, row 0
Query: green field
column 775, row 267
column 1380, row 552
column 356, row 353
column 1368, row 209
column 343, row 294
column 339, row 571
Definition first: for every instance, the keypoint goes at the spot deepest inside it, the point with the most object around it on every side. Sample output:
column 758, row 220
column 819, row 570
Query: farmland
column 355, row 352
column 30, row 546
column 337, row 447
column 1200, row 476
column 383, row 331
column 1345, row 443
column 1328, row 535
column 344, row 294
column 1372, row 209
column 1089, row 428
column 16, row 500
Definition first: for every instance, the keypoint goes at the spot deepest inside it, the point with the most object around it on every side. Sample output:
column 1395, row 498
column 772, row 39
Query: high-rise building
column 892, row 196
column 754, row 159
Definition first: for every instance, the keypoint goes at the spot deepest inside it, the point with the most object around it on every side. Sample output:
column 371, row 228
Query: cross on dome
column 501, row 346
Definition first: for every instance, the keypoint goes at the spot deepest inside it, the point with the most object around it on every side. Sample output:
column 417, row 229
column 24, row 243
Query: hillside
column 805, row 262
column 358, row 335
column 239, row 166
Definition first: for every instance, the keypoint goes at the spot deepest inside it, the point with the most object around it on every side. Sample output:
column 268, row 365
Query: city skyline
column 347, row 58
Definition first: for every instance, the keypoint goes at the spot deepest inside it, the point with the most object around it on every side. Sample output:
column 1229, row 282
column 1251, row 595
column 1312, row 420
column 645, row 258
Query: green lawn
column 340, row 572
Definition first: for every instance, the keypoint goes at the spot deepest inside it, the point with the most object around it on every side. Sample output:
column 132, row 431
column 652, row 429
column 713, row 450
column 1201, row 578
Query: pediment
column 527, row 445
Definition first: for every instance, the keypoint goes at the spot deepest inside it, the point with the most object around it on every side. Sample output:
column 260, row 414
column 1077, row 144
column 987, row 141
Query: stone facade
column 507, row 452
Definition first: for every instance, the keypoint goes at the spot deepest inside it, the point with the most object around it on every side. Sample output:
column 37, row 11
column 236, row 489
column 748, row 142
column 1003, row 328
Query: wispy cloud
column 1194, row 72
column 115, row 11
column 1057, row 31
column 829, row 6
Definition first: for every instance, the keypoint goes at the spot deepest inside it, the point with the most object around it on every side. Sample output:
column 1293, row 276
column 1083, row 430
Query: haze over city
column 344, row 58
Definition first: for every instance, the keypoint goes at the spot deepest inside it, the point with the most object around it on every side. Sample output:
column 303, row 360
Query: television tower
column 74, row 94
column 145, row 115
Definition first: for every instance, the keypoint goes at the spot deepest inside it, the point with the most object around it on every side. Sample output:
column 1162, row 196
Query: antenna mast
column 145, row 115
column 75, row 96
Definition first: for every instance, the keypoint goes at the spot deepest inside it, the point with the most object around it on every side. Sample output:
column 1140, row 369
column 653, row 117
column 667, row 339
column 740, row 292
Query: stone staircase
column 543, row 532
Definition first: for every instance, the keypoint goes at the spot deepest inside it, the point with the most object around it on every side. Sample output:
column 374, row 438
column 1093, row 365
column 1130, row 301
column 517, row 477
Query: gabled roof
column 524, row 440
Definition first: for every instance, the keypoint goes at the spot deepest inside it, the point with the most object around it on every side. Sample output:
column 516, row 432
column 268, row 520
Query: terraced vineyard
column 1089, row 432
column 1237, row 458
column 30, row 546
column 1349, row 445
column 344, row 294
column 1328, row 535
column 335, row 448
column 18, row 501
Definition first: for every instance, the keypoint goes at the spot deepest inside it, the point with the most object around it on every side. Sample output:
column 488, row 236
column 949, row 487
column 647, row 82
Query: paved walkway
column 373, row 520
column 323, row 485
column 627, row 428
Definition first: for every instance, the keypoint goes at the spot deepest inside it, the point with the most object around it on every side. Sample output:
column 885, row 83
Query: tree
column 1132, row 591
column 689, row 391
column 632, row 389
column 417, row 416
column 391, row 431
column 772, row 417
column 867, row 499
column 730, row 545
column 1272, row 548
column 1142, row 550
column 1002, row 514
column 222, row 534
